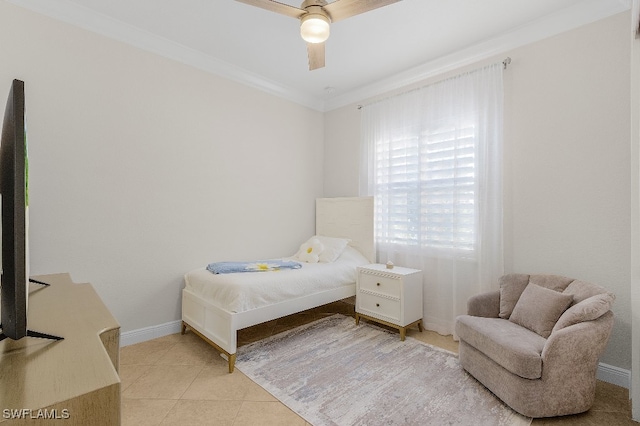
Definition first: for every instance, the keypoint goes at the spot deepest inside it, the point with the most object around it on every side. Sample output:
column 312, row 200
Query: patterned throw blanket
column 256, row 266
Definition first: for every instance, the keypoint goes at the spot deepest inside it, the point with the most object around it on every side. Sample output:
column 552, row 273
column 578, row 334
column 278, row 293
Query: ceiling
column 365, row 54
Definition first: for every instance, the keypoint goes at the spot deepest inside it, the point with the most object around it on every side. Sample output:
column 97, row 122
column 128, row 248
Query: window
column 426, row 155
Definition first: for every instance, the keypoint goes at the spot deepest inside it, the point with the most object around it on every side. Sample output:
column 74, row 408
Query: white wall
column 143, row 168
column 567, row 162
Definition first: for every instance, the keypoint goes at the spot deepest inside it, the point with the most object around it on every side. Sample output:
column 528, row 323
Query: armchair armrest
column 570, row 359
column 484, row 305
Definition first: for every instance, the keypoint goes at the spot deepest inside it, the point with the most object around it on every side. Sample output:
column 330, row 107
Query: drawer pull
column 377, row 305
column 378, row 284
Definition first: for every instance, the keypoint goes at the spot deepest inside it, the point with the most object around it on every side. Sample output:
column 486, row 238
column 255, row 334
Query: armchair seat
column 535, row 343
column 511, row 346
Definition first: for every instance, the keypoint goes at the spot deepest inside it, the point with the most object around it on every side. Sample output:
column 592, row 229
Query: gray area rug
column 332, row 372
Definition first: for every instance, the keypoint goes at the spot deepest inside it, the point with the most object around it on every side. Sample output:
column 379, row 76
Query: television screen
column 14, row 199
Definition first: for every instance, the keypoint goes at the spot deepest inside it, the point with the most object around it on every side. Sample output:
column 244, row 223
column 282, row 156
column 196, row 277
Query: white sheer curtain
column 432, row 158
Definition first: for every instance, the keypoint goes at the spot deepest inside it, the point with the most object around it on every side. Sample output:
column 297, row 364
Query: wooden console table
column 67, row 382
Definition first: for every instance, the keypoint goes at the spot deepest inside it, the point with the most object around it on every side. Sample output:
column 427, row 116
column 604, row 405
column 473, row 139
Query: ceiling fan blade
column 342, row 9
column 315, row 51
column 274, row 6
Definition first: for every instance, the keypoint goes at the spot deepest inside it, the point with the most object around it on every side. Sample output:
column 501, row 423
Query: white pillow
column 310, row 251
column 332, row 248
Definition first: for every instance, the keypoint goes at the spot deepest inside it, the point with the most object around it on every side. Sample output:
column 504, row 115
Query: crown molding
column 564, row 20
column 582, row 13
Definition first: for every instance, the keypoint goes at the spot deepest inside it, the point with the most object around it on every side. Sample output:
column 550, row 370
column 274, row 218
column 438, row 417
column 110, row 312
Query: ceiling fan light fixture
column 314, row 28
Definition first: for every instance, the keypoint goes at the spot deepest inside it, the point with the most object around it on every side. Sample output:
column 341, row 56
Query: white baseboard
column 148, row 333
column 607, row 373
column 614, row 375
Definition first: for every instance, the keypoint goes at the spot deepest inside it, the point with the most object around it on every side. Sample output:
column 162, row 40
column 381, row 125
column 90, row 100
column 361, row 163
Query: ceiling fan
column 315, row 17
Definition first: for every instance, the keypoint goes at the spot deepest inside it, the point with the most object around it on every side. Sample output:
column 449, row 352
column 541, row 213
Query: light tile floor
column 182, row 380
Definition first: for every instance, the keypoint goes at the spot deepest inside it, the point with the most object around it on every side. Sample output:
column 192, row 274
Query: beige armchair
column 535, row 343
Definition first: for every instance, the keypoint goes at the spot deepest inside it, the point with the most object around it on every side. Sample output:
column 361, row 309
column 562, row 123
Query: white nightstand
column 390, row 296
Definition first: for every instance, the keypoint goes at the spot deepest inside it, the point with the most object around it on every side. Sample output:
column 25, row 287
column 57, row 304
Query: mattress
column 239, row 292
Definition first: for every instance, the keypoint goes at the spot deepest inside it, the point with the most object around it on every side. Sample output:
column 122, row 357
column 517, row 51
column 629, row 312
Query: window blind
column 425, row 187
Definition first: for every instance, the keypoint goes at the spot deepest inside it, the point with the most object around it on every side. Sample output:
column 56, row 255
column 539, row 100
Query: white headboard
column 348, row 217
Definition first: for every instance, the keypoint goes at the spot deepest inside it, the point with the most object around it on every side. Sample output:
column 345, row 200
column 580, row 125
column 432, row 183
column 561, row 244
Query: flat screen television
column 14, row 196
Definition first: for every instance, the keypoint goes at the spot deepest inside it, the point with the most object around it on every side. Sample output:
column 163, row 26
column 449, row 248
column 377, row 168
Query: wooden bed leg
column 184, row 328
column 232, row 362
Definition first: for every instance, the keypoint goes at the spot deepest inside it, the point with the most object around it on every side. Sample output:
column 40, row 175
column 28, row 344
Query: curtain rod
column 505, row 63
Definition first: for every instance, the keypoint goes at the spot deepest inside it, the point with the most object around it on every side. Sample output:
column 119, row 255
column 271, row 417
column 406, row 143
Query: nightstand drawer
column 377, row 306
column 378, row 284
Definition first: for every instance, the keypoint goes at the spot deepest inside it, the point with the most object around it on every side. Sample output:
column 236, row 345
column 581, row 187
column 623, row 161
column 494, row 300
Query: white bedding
column 239, row 292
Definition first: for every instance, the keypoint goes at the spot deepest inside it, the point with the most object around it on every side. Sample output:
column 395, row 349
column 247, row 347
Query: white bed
column 217, row 315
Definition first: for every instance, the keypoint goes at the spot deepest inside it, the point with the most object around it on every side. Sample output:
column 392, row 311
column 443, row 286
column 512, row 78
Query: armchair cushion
column 582, row 290
column 511, row 287
column 587, row 310
column 539, row 308
column 511, row 346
